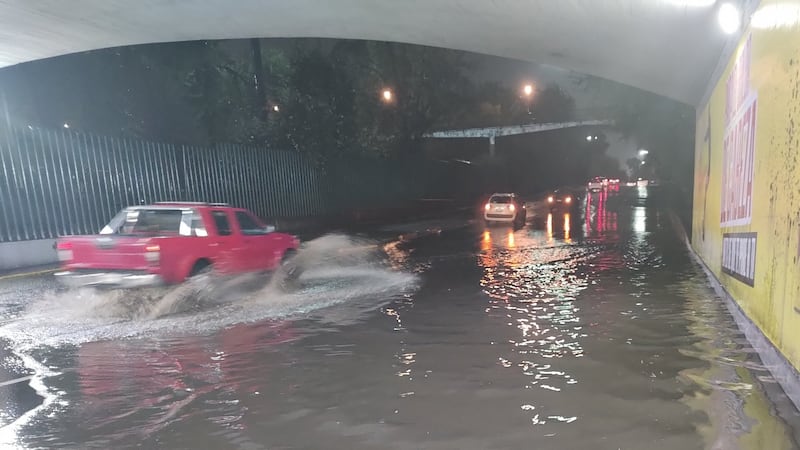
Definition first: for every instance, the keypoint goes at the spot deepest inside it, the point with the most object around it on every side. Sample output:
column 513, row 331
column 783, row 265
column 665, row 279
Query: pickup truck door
column 263, row 252
column 232, row 253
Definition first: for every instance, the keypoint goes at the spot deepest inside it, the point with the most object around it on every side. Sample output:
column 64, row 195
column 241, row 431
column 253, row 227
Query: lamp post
column 527, row 93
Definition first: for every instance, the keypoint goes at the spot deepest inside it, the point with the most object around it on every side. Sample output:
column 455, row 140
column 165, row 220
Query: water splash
column 337, row 269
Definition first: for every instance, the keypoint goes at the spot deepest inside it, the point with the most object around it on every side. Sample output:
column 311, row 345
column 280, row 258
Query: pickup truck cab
column 166, row 243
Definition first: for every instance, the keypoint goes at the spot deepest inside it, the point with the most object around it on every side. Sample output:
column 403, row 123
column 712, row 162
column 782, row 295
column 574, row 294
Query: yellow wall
column 773, row 301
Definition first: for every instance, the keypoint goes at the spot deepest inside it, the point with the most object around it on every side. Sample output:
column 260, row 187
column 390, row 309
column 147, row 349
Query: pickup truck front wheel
column 290, row 267
column 200, row 269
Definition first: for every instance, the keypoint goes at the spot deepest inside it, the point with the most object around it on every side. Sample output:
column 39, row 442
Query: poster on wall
column 739, row 256
column 738, row 153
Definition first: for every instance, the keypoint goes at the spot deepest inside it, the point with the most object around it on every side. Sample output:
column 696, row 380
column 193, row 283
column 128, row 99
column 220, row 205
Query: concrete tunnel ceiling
column 669, row 47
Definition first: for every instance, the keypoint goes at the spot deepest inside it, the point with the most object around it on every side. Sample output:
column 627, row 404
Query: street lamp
column 66, row 125
column 589, row 138
column 729, row 17
column 276, row 108
column 527, row 90
column 643, row 153
column 387, row 95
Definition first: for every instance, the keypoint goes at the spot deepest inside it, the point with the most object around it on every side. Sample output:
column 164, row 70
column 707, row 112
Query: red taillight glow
column 487, row 206
column 550, row 199
column 512, row 207
column 568, row 199
column 64, row 251
column 152, row 253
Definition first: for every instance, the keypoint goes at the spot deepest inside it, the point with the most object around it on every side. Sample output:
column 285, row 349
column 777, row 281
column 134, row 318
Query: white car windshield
column 500, row 199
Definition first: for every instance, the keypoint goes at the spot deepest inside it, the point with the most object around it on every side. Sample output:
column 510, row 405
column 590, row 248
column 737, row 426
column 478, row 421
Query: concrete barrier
column 14, row 255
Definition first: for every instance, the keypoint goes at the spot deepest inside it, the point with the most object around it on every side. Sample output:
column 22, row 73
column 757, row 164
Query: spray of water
column 337, row 269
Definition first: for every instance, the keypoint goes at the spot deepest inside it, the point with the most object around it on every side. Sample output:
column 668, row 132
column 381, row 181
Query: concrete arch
column 669, row 47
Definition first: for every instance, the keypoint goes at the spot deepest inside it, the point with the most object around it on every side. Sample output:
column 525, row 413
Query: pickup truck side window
column 249, row 225
column 222, row 223
column 197, row 225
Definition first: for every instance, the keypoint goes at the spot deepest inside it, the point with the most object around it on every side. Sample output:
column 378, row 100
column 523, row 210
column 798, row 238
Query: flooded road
column 590, row 329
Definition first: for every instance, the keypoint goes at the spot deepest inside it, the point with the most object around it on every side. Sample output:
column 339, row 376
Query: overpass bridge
column 491, row 133
column 735, row 61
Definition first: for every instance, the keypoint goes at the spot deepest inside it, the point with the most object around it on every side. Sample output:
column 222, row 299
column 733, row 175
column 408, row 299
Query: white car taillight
column 511, row 207
column 487, row 206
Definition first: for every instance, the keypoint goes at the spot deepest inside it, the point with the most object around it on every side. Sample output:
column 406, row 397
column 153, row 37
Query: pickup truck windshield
column 151, row 222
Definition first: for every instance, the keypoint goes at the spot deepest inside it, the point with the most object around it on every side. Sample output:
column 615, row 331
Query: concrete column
column 491, row 146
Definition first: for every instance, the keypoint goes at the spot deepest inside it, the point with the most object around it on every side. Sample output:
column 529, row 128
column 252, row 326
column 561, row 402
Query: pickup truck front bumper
column 123, row 280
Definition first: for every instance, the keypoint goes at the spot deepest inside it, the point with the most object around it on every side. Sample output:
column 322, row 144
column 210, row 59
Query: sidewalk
column 28, row 271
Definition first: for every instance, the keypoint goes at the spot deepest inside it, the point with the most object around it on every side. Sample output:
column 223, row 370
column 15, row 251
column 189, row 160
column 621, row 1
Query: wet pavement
column 587, row 329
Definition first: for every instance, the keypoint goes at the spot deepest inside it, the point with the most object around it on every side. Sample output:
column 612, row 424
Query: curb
column 30, row 273
column 787, row 376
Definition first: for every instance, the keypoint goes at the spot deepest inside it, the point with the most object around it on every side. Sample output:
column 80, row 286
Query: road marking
column 27, row 274
column 16, row 380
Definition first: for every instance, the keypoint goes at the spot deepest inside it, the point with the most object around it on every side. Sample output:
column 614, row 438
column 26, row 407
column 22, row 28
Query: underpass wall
column 746, row 210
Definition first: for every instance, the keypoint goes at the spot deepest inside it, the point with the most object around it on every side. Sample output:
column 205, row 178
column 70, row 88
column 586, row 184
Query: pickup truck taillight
column 64, row 250
column 152, row 254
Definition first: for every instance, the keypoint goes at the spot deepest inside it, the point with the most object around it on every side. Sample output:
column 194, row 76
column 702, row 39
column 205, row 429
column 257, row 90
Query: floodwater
column 590, row 329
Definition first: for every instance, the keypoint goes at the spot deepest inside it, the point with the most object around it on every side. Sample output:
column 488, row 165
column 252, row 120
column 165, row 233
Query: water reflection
column 639, row 219
column 600, row 220
column 532, row 282
column 149, row 387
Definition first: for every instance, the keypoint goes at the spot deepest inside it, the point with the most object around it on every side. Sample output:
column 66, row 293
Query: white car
column 595, row 185
column 504, row 208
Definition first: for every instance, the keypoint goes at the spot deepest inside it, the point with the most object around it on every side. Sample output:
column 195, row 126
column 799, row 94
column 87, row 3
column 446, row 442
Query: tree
column 318, row 117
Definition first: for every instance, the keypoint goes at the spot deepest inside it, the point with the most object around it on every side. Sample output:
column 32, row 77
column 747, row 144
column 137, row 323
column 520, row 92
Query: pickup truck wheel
column 290, row 269
column 200, row 269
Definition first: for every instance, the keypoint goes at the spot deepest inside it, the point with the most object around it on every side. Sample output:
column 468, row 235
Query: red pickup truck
column 166, row 243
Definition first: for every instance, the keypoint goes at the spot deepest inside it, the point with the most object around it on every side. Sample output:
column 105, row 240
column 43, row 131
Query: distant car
column 167, row 243
column 595, row 185
column 560, row 199
column 505, row 208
